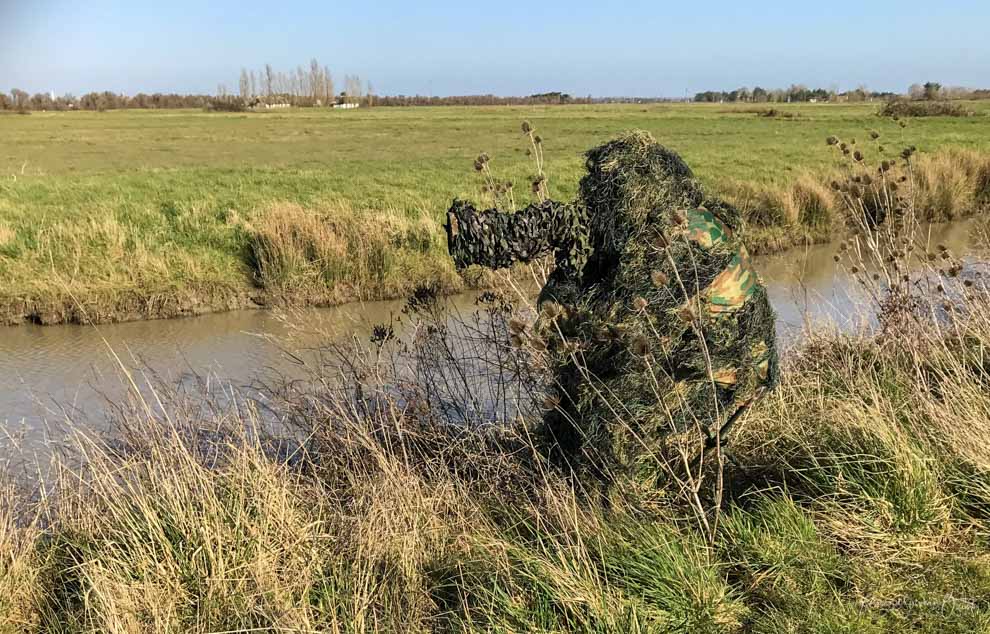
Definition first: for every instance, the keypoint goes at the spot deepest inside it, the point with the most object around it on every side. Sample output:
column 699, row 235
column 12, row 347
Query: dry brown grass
column 949, row 185
column 332, row 254
column 816, row 203
column 384, row 523
column 7, row 234
column 763, row 205
column 20, row 565
column 952, row 184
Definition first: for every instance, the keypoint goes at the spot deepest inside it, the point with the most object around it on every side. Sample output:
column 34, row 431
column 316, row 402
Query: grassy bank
column 857, row 499
column 130, row 214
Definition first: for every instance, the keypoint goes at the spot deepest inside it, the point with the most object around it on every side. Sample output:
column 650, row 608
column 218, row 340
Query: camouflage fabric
column 498, row 240
column 657, row 326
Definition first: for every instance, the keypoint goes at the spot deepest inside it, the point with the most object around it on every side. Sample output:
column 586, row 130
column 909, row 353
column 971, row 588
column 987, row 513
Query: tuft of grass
column 332, row 254
column 22, row 567
column 901, row 108
column 816, row 204
column 951, row 184
column 764, row 206
column 777, row 552
column 7, row 234
column 775, row 113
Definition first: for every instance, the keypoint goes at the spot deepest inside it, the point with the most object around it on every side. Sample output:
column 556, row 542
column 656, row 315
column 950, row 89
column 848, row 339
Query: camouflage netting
column 656, row 324
column 498, row 240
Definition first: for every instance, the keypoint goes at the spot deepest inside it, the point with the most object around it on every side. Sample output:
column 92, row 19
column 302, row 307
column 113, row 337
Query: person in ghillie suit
column 657, row 327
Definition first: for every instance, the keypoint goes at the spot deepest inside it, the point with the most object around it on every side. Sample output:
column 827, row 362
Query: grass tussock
column 20, row 563
column 857, row 500
column 952, row 184
column 764, row 205
column 815, row 202
column 332, row 254
column 774, row 113
column 901, row 108
column 947, row 185
column 7, row 234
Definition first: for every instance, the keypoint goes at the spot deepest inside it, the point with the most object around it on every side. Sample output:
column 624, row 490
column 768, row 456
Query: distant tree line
column 934, row 91
column 800, row 93
column 315, row 86
column 299, row 87
column 312, row 86
column 795, row 93
column 271, row 88
column 546, row 98
column 19, row 100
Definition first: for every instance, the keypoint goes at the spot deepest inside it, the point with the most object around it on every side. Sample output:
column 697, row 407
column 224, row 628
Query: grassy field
column 132, row 214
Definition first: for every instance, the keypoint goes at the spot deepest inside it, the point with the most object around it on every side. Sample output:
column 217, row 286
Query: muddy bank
column 126, row 305
column 175, row 302
column 135, row 304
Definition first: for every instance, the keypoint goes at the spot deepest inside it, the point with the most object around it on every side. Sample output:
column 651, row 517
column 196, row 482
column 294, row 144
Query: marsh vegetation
column 856, row 500
column 400, row 489
column 130, row 214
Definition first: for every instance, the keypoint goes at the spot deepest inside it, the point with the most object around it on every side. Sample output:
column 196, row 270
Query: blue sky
column 506, row 47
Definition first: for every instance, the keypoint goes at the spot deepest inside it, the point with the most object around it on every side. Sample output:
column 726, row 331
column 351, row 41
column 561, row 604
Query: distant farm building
column 347, row 105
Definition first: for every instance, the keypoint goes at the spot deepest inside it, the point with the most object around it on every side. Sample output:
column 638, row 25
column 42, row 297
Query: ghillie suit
column 657, row 327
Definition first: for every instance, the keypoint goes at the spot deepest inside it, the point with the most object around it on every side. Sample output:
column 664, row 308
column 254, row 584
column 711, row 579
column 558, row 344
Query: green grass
column 151, row 211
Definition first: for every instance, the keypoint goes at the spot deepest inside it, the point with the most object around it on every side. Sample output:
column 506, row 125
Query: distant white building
column 347, row 106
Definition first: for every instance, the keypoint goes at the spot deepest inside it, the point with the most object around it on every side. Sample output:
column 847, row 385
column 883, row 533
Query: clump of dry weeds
column 333, row 254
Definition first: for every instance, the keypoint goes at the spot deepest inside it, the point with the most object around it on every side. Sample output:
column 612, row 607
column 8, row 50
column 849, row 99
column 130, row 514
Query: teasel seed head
column 552, row 310
column 639, row 346
column 517, row 325
column 686, row 314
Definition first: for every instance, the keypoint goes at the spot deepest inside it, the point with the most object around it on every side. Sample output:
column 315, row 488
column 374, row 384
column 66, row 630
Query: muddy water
column 52, row 376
